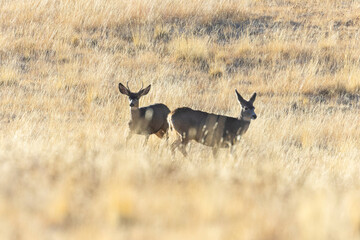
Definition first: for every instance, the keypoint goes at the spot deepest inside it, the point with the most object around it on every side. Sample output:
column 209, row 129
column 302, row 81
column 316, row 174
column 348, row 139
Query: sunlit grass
column 67, row 172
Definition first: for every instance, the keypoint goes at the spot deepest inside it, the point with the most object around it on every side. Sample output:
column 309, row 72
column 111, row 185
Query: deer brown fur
column 217, row 131
column 147, row 120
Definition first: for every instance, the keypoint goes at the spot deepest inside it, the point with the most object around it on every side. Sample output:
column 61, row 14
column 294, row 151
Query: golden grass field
column 66, row 171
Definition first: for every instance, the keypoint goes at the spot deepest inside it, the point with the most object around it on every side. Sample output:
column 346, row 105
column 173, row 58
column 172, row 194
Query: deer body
column 207, row 128
column 147, row 120
column 217, row 131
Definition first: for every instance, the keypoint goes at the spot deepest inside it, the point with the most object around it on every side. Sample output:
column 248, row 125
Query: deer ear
column 123, row 89
column 144, row 91
column 252, row 99
column 240, row 98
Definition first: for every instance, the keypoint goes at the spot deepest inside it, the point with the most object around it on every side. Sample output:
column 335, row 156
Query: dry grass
column 67, row 173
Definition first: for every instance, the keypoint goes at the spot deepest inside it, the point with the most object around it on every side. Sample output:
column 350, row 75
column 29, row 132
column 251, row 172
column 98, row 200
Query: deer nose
column 133, row 103
column 254, row 116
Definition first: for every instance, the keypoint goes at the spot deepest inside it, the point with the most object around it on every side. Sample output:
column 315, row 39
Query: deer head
column 247, row 107
column 133, row 96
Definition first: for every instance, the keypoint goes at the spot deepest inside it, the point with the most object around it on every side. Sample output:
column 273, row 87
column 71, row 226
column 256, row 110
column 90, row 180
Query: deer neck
column 243, row 125
column 135, row 113
column 243, row 120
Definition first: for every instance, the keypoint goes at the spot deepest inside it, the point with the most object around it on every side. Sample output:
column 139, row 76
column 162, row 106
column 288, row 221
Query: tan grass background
column 67, row 173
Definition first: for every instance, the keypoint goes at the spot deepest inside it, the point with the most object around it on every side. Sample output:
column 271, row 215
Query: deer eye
column 246, row 108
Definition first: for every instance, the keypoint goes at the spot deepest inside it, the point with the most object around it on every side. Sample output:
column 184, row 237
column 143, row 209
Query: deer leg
column 182, row 148
column 129, row 135
column 181, row 144
column 175, row 145
column 231, row 150
column 146, row 140
column 160, row 133
column 167, row 138
column 215, row 151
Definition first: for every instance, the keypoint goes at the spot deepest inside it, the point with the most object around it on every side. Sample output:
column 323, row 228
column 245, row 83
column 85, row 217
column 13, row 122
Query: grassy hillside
column 67, row 172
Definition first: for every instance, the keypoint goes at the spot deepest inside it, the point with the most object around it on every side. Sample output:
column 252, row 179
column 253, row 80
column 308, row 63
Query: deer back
column 149, row 119
column 207, row 128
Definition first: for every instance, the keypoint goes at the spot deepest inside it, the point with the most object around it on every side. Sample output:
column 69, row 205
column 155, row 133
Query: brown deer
column 212, row 130
column 145, row 120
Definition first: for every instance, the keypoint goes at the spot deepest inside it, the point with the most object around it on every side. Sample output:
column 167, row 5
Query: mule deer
column 145, row 120
column 213, row 130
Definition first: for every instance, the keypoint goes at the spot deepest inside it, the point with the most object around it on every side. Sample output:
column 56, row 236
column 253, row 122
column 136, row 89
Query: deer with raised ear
column 217, row 131
column 147, row 120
